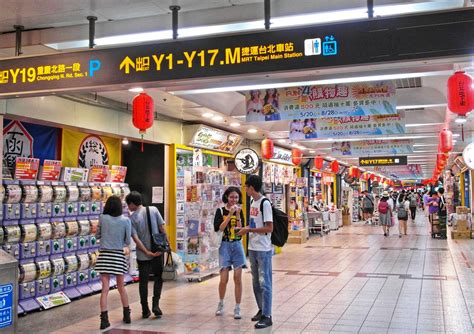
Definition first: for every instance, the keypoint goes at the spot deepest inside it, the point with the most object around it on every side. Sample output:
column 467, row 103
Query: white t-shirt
column 260, row 241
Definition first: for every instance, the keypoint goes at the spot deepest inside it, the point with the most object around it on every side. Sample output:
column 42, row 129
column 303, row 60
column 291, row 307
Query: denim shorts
column 231, row 255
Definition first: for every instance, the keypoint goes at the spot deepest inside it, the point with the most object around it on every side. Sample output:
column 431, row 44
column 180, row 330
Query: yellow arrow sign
column 127, row 62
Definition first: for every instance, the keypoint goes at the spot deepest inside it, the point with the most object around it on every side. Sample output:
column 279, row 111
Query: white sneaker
column 237, row 314
column 220, row 309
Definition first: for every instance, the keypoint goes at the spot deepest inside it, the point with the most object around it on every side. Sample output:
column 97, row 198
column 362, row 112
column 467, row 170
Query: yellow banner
column 85, row 150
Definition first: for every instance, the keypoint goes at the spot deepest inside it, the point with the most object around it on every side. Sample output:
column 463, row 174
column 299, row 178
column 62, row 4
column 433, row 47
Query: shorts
column 368, row 210
column 231, row 255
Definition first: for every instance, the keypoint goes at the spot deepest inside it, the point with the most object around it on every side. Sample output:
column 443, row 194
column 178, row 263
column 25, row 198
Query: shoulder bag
column 159, row 242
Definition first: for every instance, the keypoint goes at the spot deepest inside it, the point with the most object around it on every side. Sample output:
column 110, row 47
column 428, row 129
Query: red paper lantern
column 372, row 177
column 143, row 113
column 445, row 141
column 334, row 166
column 318, row 162
column 365, row 176
column 267, row 149
column 296, row 156
column 354, row 172
column 460, row 93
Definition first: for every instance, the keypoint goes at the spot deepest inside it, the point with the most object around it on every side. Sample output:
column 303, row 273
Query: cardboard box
column 462, row 209
column 296, row 240
column 462, row 226
column 461, row 235
column 297, row 233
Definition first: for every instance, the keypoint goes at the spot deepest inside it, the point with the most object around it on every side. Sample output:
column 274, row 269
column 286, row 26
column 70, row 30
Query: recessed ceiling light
column 136, row 90
column 460, row 120
column 252, row 130
column 125, row 141
column 217, row 118
column 312, row 151
column 234, row 124
column 282, row 140
column 294, row 145
column 456, row 135
column 302, row 148
column 207, row 115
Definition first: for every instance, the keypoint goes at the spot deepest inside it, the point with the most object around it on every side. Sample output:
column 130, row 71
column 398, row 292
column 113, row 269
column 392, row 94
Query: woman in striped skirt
column 114, row 233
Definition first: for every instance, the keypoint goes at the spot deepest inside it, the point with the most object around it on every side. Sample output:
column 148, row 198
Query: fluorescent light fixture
column 252, row 130
column 456, row 135
column 312, row 151
column 460, row 120
column 422, row 145
column 207, row 115
column 217, row 118
column 282, row 141
column 417, row 106
column 234, row 124
column 329, row 140
column 302, row 147
column 359, row 13
column 294, row 145
column 382, row 77
column 136, row 90
column 425, row 151
column 125, row 141
column 422, row 124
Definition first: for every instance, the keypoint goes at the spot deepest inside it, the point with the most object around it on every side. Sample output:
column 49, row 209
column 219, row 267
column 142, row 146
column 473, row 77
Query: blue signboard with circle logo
column 6, row 305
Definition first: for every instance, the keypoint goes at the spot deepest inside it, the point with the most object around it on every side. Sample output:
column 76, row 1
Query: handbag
column 216, row 237
column 159, row 242
column 169, row 269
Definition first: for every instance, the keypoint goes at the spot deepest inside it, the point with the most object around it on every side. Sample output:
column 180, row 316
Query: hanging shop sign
column 247, row 161
column 331, row 127
column 26, row 168
column 51, row 170
column 342, row 100
column 118, row 173
column 216, row 140
column 365, row 147
column 383, row 161
column 281, row 155
column 468, row 156
column 320, row 46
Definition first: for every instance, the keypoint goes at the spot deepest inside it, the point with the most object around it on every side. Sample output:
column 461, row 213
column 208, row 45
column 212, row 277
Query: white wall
column 61, row 112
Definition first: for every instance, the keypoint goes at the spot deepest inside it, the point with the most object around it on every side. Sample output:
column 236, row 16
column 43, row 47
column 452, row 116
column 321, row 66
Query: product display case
column 296, row 196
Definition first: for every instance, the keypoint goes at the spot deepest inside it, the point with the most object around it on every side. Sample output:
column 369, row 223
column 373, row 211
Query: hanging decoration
column 296, row 156
column 267, row 148
column 460, row 93
column 318, row 162
column 445, row 141
column 334, row 166
column 142, row 113
column 354, row 172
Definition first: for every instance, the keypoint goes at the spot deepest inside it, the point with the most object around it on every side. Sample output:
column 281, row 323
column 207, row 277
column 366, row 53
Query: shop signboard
column 215, row 140
column 6, row 305
column 319, row 46
column 26, row 168
column 281, row 155
column 247, row 161
column 350, row 126
column 306, row 102
column 99, row 173
column 383, row 161
column 118, row 173
column 409, row 171
column 51, row 170
column 365, row 147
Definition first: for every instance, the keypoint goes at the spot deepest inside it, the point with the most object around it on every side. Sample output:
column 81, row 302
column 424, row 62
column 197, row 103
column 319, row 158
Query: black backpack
column 280, row 225
column 442, row 207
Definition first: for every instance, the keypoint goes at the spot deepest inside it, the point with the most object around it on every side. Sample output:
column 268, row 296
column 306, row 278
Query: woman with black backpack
column 403, row 207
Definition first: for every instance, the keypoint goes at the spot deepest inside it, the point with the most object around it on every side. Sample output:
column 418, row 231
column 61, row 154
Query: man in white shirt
column 260, row 247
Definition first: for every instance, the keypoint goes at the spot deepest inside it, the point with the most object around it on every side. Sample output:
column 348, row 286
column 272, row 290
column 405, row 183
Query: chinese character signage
column 366, row 147
column 306, row 102
column 51, row 170
column 383, row 161
column 6, row 305
column 350, row 126
column 281, row 155
column 118, row 173
column 216, row 140
column 26, row 168
column 408, row 171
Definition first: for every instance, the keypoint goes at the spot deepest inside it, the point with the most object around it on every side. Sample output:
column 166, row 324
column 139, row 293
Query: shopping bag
column 169, row 269
column 216, row 239
column 392, row 221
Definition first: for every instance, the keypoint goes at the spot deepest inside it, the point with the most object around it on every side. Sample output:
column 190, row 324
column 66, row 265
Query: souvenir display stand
column 347, row 202
column 316, row 188
column 49, row 225
column 276, row 178
column 198, row 193
column 297, row 195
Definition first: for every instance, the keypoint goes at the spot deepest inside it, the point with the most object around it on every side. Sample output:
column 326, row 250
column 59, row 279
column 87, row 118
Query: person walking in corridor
column 385, row 213
column 413, row 199
column 403, row 207
column 260, row 250
column 229, row 219
column 114, row 233
column 145, row 222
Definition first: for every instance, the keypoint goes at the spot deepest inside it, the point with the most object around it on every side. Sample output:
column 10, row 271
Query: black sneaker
column 264, row 322
column 146, row 314
column 257, row 316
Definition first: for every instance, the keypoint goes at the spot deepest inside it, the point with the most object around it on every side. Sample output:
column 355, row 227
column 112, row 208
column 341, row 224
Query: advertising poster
column 99, row 173
column 118, row 173
column 54, row 299
column 333, row 127
column 410, row 171
column 369, row 147
column 84, row 150
column 216, row 140
column 21, row 139
column 26, row 168
column 51, row 170
column 341, row 100
column 70, row 174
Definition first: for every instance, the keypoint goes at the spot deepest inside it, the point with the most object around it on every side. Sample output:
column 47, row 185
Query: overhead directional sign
column 339, row 44
column 383, row 161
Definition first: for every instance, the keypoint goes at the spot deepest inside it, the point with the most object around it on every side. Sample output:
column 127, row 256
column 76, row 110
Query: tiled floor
column 353, row 280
